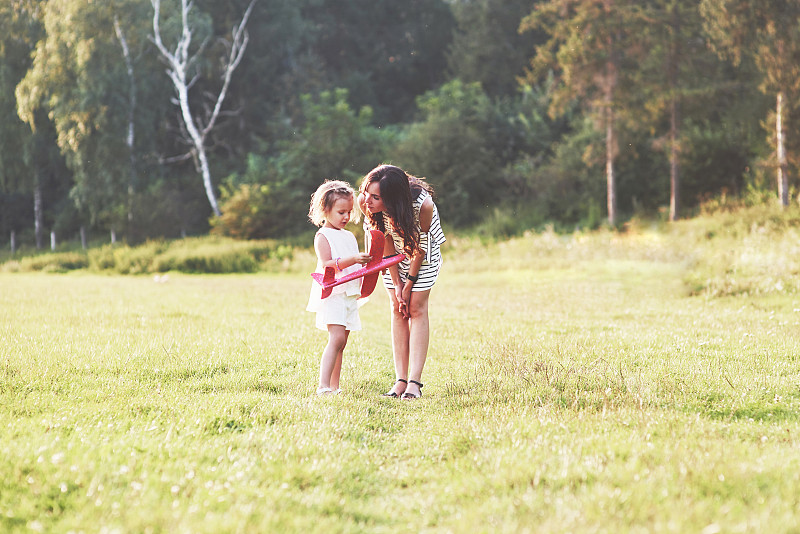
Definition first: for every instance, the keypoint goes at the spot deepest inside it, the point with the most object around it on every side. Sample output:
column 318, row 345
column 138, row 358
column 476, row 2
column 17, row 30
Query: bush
column 206, row 260
column 196, row 255
column 54, row 263
column 744, row 250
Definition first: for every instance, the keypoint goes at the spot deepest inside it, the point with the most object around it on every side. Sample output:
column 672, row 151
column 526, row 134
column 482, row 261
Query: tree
column 183, row 71
column 384, row 52
column 677, row 71
column 769, row 32
column 19, row 31
column 590, row 44
column 79, row 80
column 454, row 146
column 30, row 164
column 487, row 47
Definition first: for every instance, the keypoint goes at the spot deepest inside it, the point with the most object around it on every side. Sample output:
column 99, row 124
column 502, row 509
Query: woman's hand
column 402, row 303
column 405, row 294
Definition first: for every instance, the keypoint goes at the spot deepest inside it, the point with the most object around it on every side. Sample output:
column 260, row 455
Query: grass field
column 574, row 384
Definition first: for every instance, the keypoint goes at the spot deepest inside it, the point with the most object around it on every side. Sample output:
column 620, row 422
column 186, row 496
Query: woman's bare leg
column 418, row 339
column 400, row 341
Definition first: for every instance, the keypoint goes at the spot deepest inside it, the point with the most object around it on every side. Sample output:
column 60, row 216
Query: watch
column 412, row 278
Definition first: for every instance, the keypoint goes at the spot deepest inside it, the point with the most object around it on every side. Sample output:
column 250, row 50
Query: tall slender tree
column 30, row 164
column 678, row 70
column 80, row 80
column 590, row 44
column 769, row 32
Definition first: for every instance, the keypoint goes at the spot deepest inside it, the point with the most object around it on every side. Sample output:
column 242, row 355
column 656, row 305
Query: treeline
column 520, row 113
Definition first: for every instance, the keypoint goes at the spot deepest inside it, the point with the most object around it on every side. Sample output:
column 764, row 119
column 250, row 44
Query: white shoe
column 336, row 391
column 324, row 391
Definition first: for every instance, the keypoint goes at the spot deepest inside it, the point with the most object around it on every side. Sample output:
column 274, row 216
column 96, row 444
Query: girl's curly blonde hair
column 325, row 197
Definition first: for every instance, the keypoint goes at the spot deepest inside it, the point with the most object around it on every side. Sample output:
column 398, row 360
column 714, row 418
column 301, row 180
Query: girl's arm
column 323, row 250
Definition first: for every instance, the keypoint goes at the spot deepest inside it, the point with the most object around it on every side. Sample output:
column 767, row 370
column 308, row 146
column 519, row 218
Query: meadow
column 637, row 381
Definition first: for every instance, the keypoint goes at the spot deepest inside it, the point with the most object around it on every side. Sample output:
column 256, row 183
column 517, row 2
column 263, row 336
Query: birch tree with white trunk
column 768, row 31
column 183, row 72
column 130, row 138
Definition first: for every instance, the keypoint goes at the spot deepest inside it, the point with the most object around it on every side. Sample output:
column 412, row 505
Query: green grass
column 574, row 384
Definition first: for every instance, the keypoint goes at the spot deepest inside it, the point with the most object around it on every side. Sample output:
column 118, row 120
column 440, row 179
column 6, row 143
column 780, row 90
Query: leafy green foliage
column 486, row 46
column 271, row 198
column 491, row 149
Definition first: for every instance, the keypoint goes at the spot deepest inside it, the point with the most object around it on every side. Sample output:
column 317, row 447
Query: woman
column 401, row 206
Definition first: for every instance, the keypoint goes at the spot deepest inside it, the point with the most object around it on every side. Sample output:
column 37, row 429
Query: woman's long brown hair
column 398, row 191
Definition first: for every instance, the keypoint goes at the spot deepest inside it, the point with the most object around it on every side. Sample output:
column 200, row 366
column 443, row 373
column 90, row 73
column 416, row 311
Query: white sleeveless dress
column 341, row 307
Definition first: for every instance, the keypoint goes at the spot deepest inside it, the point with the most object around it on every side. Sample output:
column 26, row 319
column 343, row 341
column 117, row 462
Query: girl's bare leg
column 337, row 367
column 337, row 339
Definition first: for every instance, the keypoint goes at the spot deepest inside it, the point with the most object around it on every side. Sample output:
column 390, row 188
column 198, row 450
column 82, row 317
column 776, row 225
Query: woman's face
column 374, row 201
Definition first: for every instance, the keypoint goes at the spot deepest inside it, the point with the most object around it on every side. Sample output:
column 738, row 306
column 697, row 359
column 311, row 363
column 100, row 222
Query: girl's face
column 339, row 214
column 374, row 201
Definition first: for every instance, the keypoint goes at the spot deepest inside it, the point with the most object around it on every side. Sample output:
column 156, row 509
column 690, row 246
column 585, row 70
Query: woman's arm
column 425, row 218
column 390, row 250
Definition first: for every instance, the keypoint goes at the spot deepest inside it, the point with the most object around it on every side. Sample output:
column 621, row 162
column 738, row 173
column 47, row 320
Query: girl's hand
column 362, row 258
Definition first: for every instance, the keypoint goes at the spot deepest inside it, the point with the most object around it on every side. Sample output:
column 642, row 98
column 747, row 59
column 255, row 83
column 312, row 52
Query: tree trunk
column 179, row 64
column 783, row 167
column 38, row 213
column 609, row 87
column 131, row 136
column 206, row 172
column 674, row 178
column 611, row 187
column 674, row 118
column 199, row 142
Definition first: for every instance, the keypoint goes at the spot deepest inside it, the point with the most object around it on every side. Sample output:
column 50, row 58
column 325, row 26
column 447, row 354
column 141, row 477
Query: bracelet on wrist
column 336, row 263
column 412, row 277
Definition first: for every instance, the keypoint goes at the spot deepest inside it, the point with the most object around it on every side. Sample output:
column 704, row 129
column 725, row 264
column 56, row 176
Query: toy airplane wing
column 369, row 272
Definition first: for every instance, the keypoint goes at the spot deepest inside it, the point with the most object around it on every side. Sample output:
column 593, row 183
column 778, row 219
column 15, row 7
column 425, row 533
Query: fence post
column 113, row 236
column 13, row 242
column 52, row 241
column 83, row 237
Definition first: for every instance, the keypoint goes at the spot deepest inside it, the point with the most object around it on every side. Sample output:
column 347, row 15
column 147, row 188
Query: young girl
column 331, row 209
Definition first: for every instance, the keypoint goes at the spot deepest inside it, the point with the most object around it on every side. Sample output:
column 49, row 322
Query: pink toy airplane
column 369, row 272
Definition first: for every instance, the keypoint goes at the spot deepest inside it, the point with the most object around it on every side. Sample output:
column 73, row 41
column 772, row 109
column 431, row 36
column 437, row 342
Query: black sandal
column 391, row 393
column 407, row 395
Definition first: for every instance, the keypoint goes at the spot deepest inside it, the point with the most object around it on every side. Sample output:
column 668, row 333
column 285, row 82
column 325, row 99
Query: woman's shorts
column 341, row 310
column 428, row 273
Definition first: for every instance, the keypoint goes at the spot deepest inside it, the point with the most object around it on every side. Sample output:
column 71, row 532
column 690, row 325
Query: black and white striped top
column 430, row 242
